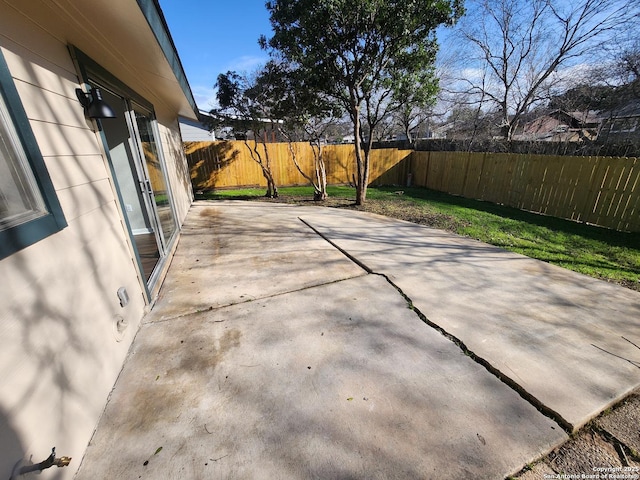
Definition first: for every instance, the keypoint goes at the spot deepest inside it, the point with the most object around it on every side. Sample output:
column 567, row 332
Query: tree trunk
column 361, row 188
column 269, row 192
column 321, row 172
column 271, row 184
column 319, row 196
column 506, row 131
column 265, row 165
column 319, row 183
column 274, row 189
column 365, row 169
column 407, row 132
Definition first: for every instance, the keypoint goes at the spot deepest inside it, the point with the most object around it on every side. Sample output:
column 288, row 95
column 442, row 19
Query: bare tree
column 385, row 130
column 628, row 68
column 518, row 47
column 410, row 117
column 303, row 115
column 314, row 128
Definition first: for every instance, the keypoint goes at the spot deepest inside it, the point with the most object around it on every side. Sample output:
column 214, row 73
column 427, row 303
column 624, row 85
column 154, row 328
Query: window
column 29, row 208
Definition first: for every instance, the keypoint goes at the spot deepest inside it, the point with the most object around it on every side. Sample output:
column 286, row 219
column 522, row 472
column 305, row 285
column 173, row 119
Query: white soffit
column 117, row 35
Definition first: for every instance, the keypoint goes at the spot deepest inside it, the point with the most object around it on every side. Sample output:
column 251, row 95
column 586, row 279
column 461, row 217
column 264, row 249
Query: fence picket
column 601, row 190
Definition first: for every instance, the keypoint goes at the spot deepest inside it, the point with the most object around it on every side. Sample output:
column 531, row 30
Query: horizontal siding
column 82, row 199
column 177, row 169
column 58, row 314
column 49, row 106
column 69, row 171
column 57, row 140
column 195, row 134
column 29, row 67
column 58, row 305
column 40, row 43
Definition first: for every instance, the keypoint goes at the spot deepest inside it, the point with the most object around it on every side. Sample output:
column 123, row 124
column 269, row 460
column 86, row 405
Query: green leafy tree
column 248, row 105
column 413, row 106
column 361, row 55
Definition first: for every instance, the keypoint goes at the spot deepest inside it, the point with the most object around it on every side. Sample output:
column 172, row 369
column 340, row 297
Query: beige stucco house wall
column 60, row 349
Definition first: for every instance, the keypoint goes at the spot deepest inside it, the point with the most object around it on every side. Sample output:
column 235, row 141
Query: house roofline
column 155, row 18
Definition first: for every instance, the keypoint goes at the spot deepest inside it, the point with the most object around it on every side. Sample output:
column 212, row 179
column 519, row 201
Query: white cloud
column 578, row 74
column 473, row 75
column 246, row 63
column 205, row 97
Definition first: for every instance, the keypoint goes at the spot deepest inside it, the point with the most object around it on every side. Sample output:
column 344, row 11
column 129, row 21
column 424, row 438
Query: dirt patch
column 399, row 209
column 623, row 423
column 199, row 353
column 605, row 448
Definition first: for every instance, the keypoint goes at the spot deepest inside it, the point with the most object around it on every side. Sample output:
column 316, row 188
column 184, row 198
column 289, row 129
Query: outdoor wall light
column 94, row 105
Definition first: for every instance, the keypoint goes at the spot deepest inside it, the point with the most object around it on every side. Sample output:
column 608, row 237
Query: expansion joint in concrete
column 210, row 308
column 519, row 389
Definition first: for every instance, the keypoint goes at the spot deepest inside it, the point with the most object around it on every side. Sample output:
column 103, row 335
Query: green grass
column 598, row 252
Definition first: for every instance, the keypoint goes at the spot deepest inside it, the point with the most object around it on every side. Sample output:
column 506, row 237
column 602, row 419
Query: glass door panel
column 129, row 176
column 160, row 192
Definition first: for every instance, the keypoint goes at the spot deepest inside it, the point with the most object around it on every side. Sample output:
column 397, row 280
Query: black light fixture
column 94, row 105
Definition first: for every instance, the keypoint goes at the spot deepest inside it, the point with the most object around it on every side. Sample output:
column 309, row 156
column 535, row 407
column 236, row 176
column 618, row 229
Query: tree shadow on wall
column 14, row 458
column 208, row 161
column 340, row 164
column 10, row 446
column 397, row 175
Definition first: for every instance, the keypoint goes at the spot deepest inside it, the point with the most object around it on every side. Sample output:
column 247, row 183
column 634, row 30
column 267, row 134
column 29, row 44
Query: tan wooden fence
column 603, row 191
column 229, row 164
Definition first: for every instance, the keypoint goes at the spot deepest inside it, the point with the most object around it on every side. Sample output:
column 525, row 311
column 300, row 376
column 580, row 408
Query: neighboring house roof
column 441, row 131
column 623, row 122
column 196, row 130
column 631, row 109
column 586, row 119
column 560, row 125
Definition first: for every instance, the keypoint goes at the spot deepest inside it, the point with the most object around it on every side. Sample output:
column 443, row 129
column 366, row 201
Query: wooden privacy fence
column 229, row 164
column 603, row 191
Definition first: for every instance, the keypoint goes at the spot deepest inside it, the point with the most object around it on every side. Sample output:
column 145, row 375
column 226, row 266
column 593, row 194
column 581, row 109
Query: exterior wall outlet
column 123, row 296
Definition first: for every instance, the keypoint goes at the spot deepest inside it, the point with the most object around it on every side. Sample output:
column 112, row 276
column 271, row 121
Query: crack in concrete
column 148, row 320
column 519, row 389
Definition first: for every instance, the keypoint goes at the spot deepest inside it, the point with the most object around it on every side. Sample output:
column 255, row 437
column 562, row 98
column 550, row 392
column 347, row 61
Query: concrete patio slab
column 566, row 339
column 234, row 252
column 337, row 381
column 272, row 355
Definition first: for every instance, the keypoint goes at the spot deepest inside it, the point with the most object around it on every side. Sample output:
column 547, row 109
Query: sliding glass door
column 159, row 193
column 139, row 173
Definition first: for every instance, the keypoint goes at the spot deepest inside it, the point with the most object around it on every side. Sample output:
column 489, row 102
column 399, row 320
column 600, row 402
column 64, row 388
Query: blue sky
column 214, row 36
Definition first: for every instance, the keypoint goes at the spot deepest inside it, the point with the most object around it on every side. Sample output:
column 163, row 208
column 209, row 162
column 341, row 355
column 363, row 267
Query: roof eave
column 155, row 18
